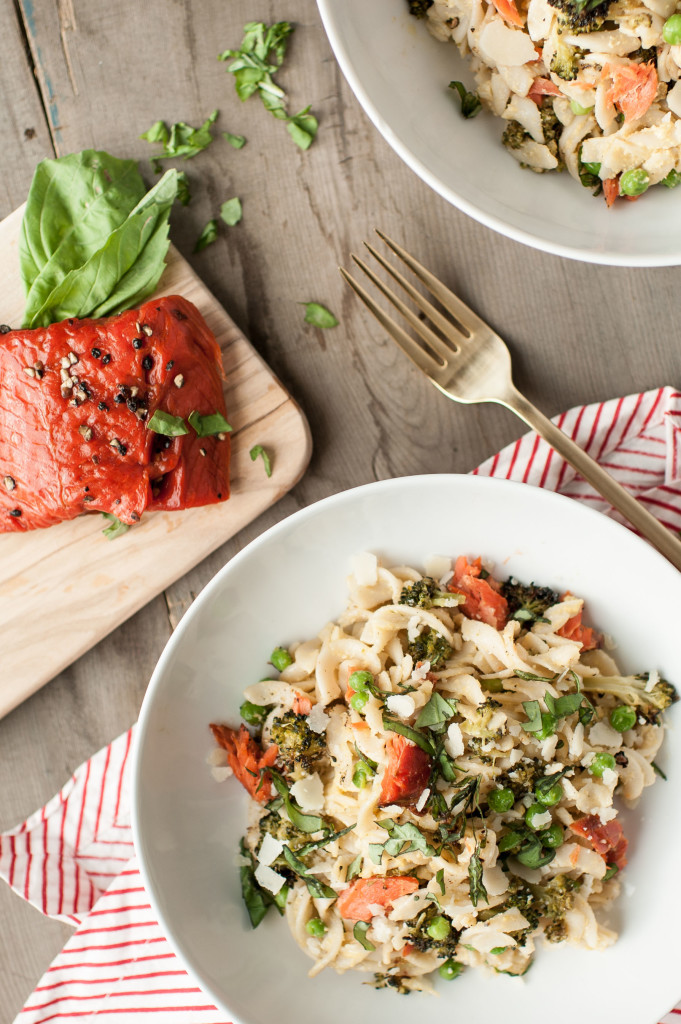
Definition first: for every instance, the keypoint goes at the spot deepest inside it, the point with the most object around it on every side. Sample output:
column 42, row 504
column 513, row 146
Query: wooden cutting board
column 64, row 588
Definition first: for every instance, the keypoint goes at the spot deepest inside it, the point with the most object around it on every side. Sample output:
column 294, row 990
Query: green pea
column 439, row 928
column 552, row 836
column 281, row 658
column 360, row 681
column 359, row 701
column 315, row 926
column 501, row 800
column 532, row 813
column 623, row 718
column 672, row 180
column 360, row 776
column 449, row 970
column 600, row 763
column 578, row 109
column 635, row 182
column 671, row 30
column 551, row 796
column 253, row 714
column 534, row 855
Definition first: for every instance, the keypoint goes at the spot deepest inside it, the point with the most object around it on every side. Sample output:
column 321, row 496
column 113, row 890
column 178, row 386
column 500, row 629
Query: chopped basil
column 360, row 932
column 436, row 713
column 257, row 450
column 315, row 888
column 440, row 879
column 236, row 141
column 116, row 529
column 318, row 843
column 533, row 712
column 611, row 872
column 211, row 423
column 258, row 901
column 376, row 851
column 545, row 784
column 305, row 822
column 231, row 211
column 475, row 884
column 354, row 868
column 561, row 707
column 318, row 315
column 183, row 193
column 498, row 949
column 370, row 765
column 180, row 139
column 401, row 834
column 492, row 685
column 470, row 106
column 258, row 58
column 422, row 741
column 164, row 423
column 207, row 236
column 280, row 899
column 653, row 764
column 532, row 678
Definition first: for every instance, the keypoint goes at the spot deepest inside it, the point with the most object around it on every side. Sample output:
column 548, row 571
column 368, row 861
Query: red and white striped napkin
column 74, row 860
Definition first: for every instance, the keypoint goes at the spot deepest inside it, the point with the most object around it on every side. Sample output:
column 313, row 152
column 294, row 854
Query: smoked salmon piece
column 246, row 758
column 574, row 629
column 608, row 839
column 483, row 600
column 75, row 402
column 406, row 774
column 633, row 88
column 356, row 902
column 509, row 12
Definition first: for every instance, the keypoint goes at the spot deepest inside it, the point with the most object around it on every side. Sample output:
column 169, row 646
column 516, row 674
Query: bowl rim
column 314, row 509
column 327, row 11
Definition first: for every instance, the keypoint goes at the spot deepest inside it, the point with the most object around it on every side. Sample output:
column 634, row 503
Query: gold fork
column 467, row 361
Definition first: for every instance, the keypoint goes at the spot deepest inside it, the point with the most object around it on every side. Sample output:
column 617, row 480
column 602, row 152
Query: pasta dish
column 433, row 776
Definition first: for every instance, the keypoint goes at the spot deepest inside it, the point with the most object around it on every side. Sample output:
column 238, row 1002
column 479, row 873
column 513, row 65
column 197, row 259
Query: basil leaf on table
column 231, row 211
column 181, row 139
column 207, row 236
column 87, row 249
column 318, row 315
column 116, row 528
column 258, row 450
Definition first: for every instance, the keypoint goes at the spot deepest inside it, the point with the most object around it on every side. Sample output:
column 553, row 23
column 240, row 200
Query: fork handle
column 639, row 517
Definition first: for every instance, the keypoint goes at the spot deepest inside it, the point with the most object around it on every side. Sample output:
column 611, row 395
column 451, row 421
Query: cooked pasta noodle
column 462, row 745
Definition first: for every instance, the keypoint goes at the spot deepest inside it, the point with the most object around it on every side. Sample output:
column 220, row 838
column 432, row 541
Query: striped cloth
column 74, row 859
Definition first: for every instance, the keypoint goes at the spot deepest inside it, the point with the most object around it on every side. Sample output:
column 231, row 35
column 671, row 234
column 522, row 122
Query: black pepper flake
column 5, row 328
column 170, row 364
column 120, row 397
column 132, row 404
column 219, row 495
column 88, row 497
column 87, row 488
column 102, row 406
column 178, row 314
column 16, row 512
column 147, row 363
column 137, row 342
column 135, row 517
column 95, row 353
column 95, row 459
column 117, row 501
column 106, row 358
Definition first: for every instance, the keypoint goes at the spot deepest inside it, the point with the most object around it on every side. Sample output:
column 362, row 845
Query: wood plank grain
column 76, row 584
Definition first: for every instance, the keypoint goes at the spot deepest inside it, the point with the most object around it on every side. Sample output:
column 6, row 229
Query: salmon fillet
column 75, row 401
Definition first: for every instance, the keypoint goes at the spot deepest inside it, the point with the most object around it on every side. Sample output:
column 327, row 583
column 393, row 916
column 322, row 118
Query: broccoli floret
column 430, row 646
column 527, row 602
column 632, row 690
column 425, row 593
column 549, row 902
column 576, row 16
column 565, row 60
column 419, row 8
column 395, row 981
column 522, row 778
column 299, row 747
column 514, row 135
column 420, row 939
column 274, row 825
column 477, row 724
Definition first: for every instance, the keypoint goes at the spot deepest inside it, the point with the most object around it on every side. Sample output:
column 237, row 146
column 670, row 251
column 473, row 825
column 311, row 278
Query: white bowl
column 284, row 587
column 400, row 75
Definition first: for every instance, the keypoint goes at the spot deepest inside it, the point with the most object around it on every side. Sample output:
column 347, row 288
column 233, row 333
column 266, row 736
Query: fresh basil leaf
column 236, row 141
column 183, row 194
column 561, row 707
column 401, row 834
column 470, row 101
column 181, row 140
column 440, row 879
column 547, row 782
column 318, row 843
column 492, row 685
column 354, row 868
column 302, row 128
column 102, row 259
column 658, row 771
column 207, row 236
column 164, row 423
column 317, row 889
column 476, row 887
column 498, row 949
column 257, row 450
column 436, row 712
column 533, row 712
column 116, row 529
column 231, row 211
column 360, row 932
column 305, row 822
column 280, row 899
column 533, row 855
column 376, row 851
column 258, row 901
column 211, row 423
column 371, row 765
column 611, row 872
column 422, row 741
column 532, row 678
column 318, row 315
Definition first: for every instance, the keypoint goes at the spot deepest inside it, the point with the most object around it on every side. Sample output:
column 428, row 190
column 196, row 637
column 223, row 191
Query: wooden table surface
column 98, row 73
